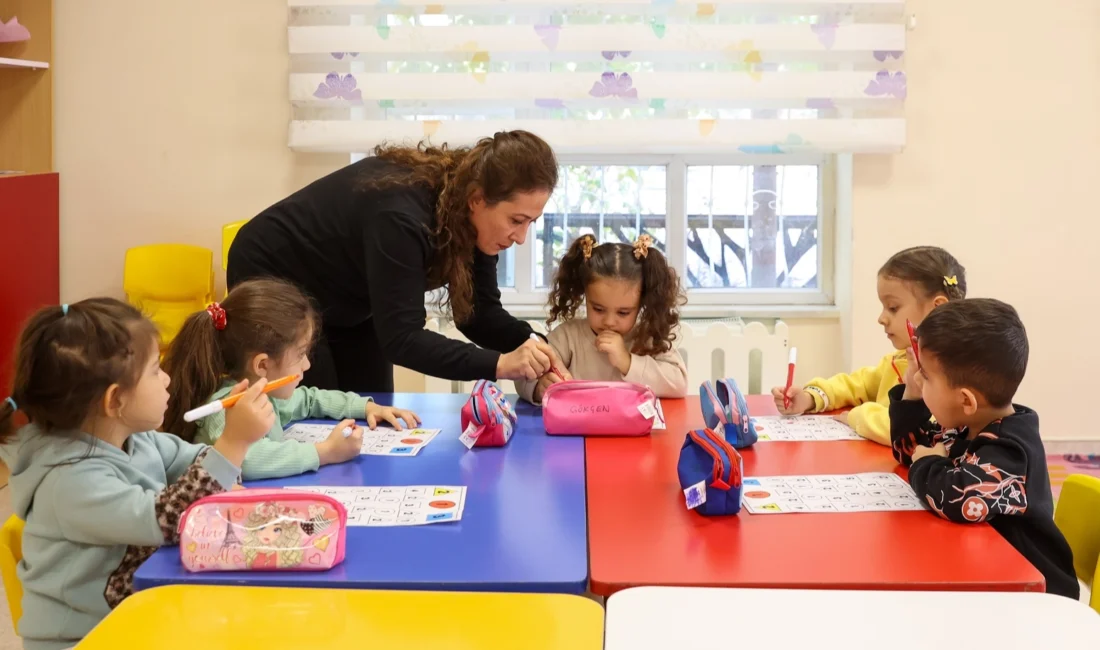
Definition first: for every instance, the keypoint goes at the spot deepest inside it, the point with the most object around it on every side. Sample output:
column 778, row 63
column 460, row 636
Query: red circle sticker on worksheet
column 758, row 494
column 442, row 504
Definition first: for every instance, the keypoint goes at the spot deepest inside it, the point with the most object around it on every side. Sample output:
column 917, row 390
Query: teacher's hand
column 529, row 361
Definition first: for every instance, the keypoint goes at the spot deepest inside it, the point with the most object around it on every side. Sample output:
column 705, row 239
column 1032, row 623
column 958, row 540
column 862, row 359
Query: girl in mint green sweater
column 97, row 487
column 264, row 329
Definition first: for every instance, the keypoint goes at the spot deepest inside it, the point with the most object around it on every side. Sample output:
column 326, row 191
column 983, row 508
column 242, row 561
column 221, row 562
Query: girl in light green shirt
column 264, row 329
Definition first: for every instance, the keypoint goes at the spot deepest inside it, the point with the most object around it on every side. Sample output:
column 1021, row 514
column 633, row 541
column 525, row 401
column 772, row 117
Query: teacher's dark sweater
column 365, row 253
column 998, row 476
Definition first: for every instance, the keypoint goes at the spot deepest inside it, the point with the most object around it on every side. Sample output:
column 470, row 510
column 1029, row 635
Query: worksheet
column 867, row 492
column 382, row 441
column 412, row 505
column 775, row 428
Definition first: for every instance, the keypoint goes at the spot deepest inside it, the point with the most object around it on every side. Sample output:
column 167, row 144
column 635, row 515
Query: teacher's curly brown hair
column 646, row 272
column 488, row 196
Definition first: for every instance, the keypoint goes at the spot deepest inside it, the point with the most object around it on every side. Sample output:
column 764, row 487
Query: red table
column 640, row 533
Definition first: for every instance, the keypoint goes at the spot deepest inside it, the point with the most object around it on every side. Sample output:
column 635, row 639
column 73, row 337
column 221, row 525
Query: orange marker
column 222, row 404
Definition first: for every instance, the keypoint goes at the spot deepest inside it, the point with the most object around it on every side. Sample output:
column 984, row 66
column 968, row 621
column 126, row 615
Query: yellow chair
column 11, row 552
column 1077, row 515
column 229, row 232
column 169, row 282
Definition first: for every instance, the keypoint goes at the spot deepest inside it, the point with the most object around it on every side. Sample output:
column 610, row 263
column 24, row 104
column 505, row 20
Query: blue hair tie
column 14, row 406
column 65, row 310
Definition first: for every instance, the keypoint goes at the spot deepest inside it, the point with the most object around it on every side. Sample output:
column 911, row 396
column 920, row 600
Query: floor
column 1060, row 464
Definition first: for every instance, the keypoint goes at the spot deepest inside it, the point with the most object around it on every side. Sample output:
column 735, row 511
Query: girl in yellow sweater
column 910, row 285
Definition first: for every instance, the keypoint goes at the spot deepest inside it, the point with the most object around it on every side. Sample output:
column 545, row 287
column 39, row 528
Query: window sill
column 706, row 312
column 756, row 312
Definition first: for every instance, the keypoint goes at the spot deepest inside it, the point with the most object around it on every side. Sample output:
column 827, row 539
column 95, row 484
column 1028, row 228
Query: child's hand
column 613, row 345
column 390, row 414
column 557, row 364
column 914, row 380
column 841, row 417
column 246, row 421
column 337, row 448
column 921, row 452
column 545, row 382
column 800, row 400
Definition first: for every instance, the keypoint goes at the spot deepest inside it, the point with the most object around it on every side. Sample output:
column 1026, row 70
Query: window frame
column 714, row 302
column 830, row 300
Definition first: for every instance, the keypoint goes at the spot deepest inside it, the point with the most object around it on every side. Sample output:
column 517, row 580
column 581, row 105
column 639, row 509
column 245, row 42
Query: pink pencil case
column 488, row 418
column 598, row 408
column 263, row 530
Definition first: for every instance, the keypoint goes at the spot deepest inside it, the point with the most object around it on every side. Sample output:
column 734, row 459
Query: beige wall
column 175, row 124
column 1002, row 169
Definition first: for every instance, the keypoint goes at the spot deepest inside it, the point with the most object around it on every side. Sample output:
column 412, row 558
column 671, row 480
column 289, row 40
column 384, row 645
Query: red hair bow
column 217, row 314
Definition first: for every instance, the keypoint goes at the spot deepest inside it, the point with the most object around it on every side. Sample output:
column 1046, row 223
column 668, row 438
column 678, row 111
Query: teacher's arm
column 397, row 254
column 491, row 326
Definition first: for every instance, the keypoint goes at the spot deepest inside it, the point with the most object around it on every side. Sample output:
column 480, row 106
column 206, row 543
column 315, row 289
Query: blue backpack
column 725, row 410
column 710, row 472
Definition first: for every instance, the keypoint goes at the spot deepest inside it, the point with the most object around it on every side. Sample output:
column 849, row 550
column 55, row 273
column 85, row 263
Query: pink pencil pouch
column 263, row 530
column 598, row 408
column 488, row 418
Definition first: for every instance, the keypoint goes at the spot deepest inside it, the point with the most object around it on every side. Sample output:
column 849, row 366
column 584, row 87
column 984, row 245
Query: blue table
column 523, row 527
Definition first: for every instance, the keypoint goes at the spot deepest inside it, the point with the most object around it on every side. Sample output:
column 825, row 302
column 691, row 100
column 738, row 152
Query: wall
column 1001, row 169
column 176, row 124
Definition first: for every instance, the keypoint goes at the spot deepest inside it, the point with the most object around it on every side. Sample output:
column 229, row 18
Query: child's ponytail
column 27, row 348
column 8, row 408
column 661, row 300
column 195, row 365
column 567, row 292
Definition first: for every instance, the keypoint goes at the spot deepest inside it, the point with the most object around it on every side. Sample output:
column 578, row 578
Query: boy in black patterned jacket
column 981, row 459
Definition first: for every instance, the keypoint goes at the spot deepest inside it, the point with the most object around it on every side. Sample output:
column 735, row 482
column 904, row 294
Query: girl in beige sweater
column 632, row 298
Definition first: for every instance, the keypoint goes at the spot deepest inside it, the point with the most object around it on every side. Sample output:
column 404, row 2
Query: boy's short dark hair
column 981, row 344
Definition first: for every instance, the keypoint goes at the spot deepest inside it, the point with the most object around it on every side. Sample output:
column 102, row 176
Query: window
column 741, row 232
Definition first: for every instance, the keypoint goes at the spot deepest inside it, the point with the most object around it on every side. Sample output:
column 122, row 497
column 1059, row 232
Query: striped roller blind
column 610, row 76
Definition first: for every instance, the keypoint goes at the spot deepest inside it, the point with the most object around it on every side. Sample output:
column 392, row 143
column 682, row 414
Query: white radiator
column 750, row 353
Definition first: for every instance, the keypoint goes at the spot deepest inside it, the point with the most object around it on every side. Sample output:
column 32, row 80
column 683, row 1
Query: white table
column 693, row 617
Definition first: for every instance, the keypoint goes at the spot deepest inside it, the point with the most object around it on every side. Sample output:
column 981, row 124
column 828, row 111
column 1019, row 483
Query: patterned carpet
column 1062, row 465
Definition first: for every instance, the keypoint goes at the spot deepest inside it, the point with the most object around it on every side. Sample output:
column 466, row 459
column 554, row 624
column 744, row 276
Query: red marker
column 535, row 337
column 913, row 342
column 790, row 378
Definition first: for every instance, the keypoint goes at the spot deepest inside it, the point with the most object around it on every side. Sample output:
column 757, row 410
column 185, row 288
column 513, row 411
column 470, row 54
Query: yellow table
column 189, row 617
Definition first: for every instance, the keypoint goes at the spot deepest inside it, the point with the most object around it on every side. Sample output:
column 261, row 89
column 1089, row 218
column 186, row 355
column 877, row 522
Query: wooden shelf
column 23, row 63
column 26, row 89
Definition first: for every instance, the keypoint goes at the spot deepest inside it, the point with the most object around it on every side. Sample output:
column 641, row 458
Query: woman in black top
column 367, row 241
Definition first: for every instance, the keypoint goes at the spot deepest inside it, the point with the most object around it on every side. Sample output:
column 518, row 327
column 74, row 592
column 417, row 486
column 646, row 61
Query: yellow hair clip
column 952, row 281
column 587, row 243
